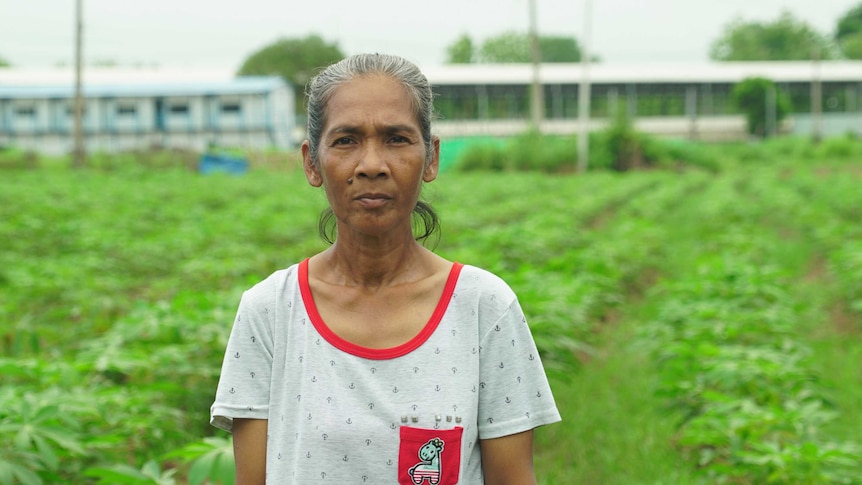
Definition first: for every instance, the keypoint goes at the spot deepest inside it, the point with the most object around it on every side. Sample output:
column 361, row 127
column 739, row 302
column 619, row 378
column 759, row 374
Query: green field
column 698, row 327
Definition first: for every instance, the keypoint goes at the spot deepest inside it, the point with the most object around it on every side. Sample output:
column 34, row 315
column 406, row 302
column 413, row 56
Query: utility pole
column 816, row 96
column 78, row 130
column 537, row 94
column 584, row 93
column 771, row 111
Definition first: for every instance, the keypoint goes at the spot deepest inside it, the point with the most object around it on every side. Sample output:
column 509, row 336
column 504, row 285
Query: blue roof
column 238, row 85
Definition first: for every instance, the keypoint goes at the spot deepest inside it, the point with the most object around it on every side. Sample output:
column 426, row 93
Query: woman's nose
column 372, row 162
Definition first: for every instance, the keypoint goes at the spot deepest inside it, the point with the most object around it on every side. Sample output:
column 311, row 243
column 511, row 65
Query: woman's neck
column 373, row 264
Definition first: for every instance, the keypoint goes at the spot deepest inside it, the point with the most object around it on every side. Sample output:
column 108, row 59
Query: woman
column 377, row 361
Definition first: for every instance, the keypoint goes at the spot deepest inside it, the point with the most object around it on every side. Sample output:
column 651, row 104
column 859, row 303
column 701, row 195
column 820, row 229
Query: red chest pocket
column 429, row 456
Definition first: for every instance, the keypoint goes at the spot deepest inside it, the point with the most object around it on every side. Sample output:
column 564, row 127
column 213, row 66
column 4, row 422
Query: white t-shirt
column 338, row 412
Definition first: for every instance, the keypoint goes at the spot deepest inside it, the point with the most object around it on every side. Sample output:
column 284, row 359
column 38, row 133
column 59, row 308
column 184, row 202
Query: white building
column 188, row 108
column 692, row 100
column 142, row 108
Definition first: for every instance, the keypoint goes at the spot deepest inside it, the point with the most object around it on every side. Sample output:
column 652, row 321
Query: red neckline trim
column 367, row 352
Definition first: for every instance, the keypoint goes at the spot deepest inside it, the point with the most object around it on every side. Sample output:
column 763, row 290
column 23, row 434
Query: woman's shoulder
column 487, row 297
column 486, row 284
column 275, row 283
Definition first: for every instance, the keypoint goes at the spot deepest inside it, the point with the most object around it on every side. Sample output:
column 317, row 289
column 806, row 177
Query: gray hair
column 322, row 87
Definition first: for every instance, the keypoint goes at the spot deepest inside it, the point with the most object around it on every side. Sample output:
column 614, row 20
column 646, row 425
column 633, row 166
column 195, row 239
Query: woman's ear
column 312, row 174
column 433, row 165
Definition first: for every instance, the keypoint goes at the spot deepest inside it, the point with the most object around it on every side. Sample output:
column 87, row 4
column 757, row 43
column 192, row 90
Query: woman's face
column 372, row 158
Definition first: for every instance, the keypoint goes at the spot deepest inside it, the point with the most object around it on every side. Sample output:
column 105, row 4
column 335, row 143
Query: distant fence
column 830, row 124
column 705, row 128
column 712, row 128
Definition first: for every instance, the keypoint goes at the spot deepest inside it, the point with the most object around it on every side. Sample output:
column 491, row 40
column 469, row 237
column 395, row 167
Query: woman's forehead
column 379, row 87
column 377, row 98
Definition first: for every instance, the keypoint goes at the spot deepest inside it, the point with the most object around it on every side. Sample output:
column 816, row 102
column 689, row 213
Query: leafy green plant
column 41, row 433
column 622, row 148
column 149, row 474
column 679, row 154
column 751, row 96
column 625, row 144
column 482, row 156
column 843, row 147
column 12, row 158
column 211, row 461
column 546, row 153
column 18, row 466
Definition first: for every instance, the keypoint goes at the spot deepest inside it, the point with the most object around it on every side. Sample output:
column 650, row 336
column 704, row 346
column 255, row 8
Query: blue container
column 215, row 163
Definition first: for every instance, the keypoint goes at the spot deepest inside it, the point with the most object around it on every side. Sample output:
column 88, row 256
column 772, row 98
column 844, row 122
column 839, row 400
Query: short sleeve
column 244, row 383
column 514, row 392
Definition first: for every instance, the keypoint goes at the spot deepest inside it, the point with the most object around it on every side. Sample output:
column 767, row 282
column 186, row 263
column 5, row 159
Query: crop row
column 571, row 247
column 730, row 351
column 831, row 204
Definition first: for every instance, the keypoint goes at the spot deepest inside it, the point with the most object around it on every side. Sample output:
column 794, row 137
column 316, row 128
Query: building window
column 126, row 110
column 231, row 108
column 28, row 111
column 70, row 110
column 179, row 109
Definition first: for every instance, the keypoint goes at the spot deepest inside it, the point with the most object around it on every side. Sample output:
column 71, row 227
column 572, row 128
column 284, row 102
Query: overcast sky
column 218, row 33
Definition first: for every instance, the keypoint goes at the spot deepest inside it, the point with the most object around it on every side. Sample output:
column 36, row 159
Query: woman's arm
column 249, row 451
column 508, row 460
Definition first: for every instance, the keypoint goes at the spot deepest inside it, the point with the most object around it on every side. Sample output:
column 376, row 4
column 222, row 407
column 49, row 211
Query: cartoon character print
column 430, row 466
column 428, row 444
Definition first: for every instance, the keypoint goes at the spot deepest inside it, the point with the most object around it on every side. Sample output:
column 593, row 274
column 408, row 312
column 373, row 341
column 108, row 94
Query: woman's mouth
column 373, row 200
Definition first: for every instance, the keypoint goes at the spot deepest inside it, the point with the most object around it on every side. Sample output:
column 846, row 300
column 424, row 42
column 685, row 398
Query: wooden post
column 78, row 131
column 584, row 94
column 537, row 98
column 691, row 111
column 771, row 111
column 816, row 96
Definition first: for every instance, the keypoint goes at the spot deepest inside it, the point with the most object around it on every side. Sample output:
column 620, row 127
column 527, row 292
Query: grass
column 616, row 430
column 835, row 334
column 837, row 360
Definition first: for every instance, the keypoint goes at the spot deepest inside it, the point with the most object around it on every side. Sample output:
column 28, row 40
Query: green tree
column 4, row 63
column 750, row 97
column 851, row 46
column 461, row 51
column 848, row 34
column 512, row 47
column 295, row 60
column 785, row 39
column 505, row 48
column 559, row 48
